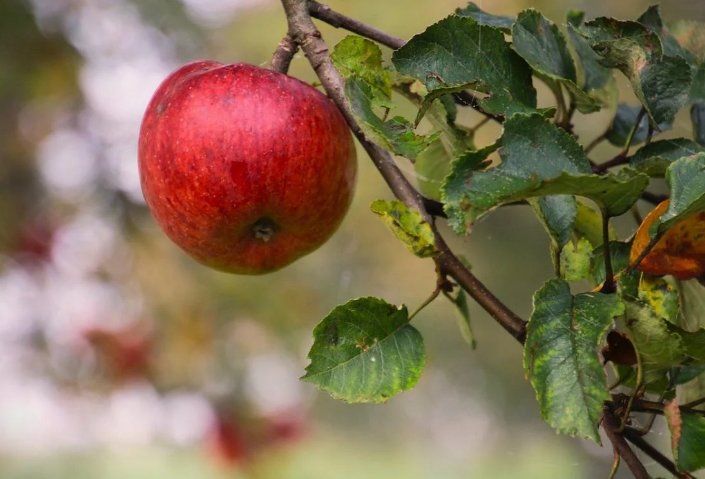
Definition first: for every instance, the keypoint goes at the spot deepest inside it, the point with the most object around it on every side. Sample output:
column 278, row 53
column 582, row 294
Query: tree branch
column 337, row 20
column 635, row 438
column 305, row 33
column 612, row 426
column 283, row 54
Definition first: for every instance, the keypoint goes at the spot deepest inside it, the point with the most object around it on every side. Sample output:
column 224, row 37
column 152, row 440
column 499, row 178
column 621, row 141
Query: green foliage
column 686, row 179
column 560, row 356
column 538, row 159
column 458, row 53
column 365, row 351
column 655, row 158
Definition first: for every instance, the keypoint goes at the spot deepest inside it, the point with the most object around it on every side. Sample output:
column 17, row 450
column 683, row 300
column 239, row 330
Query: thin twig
column 281, row 59
column 611, row 425
column 635, row 438
column 302, row 29
column 338, row 20
column 595, row 142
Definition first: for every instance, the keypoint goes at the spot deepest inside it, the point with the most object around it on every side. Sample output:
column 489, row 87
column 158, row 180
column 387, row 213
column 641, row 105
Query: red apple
column 245, row 168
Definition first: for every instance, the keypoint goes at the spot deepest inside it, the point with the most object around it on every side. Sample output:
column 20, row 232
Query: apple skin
column 244, row 168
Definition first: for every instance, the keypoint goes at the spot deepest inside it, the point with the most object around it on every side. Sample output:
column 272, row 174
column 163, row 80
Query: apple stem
column 264, row 229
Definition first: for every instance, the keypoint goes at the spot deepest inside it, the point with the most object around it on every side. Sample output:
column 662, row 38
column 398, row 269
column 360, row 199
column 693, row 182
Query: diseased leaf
column 660, row 82
column 687, row 437
column 576, row 260
column 654, row 158
column 365, row 351
column 658, row 347
column 458, row 53
column 560, row 356
column 484, row 18
column 539, row 41
column 690, row 35
column 538, row 159
column 679, row 251
column 652, row 20
column 661, row 295
column 408, row 226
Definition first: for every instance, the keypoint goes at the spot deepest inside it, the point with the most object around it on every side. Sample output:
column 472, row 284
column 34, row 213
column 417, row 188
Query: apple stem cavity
column 264, row 229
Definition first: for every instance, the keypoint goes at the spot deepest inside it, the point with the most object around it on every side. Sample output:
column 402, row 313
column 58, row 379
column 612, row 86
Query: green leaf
column 659, row 81
column 484, row 18
column 539, row 41
column 408, row 226
column 557, row 214
column 538, row 159
column 692, row 305
column 594, row 78
column 368, row 86
column 686, row 179
column 365, row 351
column 543, row 46
column 697, row 115
column 654, row 158
column 560, row 356
column 458, row 53
column 455, row 203
column 697, row 89
column 687, row 437
column 658, row 347
column 576, row 260
column 461, row 305
column 396, row 135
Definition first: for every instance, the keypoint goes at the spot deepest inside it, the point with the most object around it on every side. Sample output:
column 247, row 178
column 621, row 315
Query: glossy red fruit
column 245, row 168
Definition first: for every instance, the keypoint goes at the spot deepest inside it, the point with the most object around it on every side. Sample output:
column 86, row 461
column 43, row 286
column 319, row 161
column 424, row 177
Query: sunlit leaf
column 576, row 260
column 560, row 356
column 408, row 226
column 365, row 351
column 368, row 87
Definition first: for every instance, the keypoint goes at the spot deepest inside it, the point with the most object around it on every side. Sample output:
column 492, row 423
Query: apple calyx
column 264, row 229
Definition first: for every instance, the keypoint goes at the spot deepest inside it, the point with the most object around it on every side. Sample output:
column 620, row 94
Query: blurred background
column 122, row 357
